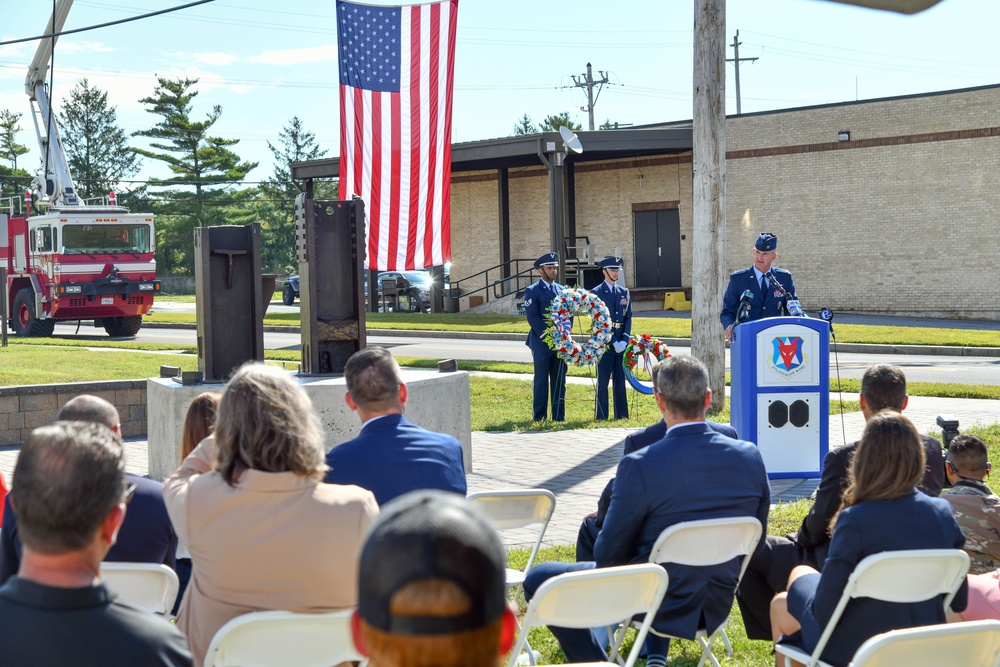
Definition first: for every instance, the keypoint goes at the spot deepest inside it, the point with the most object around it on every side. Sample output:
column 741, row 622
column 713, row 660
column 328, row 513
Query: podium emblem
column 787, row 358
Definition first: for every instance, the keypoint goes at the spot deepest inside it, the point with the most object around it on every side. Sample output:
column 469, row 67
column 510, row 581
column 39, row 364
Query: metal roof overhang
column 524, row 150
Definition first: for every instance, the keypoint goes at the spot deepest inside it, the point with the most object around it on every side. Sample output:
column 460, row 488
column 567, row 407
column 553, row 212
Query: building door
column 657, row 243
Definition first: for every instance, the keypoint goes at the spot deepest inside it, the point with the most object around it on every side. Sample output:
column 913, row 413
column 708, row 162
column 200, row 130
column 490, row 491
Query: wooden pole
column 709, row 192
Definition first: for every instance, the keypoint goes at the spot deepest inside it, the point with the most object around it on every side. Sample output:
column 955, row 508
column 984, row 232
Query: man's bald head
column 87, row 408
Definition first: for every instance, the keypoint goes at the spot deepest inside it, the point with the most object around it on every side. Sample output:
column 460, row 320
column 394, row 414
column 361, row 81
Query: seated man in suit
column 390, row 456
column 432, row 587
column 883, row 386
column 146, row 535
column 633, row 442
column 692, row 473
column 70, row 495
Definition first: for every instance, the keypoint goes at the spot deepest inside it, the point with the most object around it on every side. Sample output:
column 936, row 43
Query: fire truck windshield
column 106, row 238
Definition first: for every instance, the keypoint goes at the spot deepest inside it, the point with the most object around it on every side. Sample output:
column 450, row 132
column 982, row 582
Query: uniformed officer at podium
column 619, row 304
column 752, row 293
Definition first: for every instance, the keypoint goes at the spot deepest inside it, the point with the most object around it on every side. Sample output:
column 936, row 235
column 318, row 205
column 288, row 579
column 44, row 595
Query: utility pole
column 736, row 60
column 709, row 193
column 589, row 84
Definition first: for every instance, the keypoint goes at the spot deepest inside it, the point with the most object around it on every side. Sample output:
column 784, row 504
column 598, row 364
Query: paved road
column 918, row 368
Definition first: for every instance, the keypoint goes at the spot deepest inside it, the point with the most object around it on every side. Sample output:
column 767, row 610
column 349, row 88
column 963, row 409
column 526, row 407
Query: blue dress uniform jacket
column 550, row 371
column 619, row 303
column 392, row 456
column 763, row 305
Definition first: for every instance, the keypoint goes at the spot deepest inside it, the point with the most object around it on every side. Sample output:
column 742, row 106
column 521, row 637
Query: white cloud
column 82, row 47
column 215, row 58
column 311, row 54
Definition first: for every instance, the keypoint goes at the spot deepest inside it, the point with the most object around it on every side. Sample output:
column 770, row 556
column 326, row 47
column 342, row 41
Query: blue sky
column 264, row 64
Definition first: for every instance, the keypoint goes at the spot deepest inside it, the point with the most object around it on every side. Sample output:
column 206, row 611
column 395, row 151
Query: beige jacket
column 275, row 541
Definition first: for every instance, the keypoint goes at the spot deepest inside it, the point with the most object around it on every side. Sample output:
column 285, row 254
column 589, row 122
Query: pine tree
column 9, row 148
column 96, row 147
column 204, row 168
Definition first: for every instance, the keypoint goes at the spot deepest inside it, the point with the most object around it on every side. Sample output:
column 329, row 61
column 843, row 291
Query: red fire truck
column 74, row 260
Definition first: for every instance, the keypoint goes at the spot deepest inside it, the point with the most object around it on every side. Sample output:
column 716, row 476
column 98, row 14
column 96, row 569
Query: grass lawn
column 661, row 327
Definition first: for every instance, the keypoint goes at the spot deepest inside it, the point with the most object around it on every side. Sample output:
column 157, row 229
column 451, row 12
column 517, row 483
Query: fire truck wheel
column 25, row 322
column 120, row 327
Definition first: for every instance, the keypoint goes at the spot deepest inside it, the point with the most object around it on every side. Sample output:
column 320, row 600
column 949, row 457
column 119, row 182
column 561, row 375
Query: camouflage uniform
column 977, row 510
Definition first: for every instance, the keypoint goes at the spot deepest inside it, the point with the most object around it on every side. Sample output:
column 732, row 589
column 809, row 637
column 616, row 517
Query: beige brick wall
column 27, row 407
column 900, row 219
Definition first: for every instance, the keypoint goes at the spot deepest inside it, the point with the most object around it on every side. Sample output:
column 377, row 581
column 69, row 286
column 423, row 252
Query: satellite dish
column 570, row 141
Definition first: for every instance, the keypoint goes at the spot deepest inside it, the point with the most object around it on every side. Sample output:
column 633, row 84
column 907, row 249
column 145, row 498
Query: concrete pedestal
column 437, row 401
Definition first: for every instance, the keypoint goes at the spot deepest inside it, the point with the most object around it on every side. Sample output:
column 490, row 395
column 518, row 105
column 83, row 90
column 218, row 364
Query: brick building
column 882, row 205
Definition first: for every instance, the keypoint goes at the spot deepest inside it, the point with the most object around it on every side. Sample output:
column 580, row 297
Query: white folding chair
column 972, row 644
column 704, row 543
column 284, row 639
column 513, row 509
column 151, row 586
column 593, row 598
column 892, row 576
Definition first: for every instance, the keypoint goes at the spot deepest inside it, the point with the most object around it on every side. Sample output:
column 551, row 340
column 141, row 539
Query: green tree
column 200, row 192
column 9, row 148
column 552, row 123
column 525, row 126
column 278, row 193
column 96, row 147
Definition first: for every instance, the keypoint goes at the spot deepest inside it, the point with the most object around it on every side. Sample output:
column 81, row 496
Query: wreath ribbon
column 642, row 348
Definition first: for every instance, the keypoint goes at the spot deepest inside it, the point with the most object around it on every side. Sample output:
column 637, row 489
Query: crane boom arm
column 55, row 186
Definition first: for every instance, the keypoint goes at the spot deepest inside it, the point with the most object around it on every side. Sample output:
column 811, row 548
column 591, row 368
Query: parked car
column 415, row 294
column 290, row 291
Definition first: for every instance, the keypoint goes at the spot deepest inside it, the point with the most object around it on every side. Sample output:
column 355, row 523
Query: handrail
column 501, row 286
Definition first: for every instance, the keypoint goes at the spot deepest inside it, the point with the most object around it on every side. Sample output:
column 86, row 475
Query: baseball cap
column 432, row 534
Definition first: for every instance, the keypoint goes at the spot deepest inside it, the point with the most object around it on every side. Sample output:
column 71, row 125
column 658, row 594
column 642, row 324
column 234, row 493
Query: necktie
column 763, row 285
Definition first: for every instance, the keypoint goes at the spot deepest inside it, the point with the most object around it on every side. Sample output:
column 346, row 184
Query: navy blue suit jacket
column 763, row 305
column 915, row 521
column 647, row 436
column 537, row 298
column 146, row 535
column 693, row 473
column 619, row 304
column 392, row 456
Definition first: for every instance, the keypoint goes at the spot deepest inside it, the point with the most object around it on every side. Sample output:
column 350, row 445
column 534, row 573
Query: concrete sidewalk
column 576, row 465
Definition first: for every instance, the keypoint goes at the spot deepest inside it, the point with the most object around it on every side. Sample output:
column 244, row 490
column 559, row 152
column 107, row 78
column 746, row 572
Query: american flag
column 396, row 74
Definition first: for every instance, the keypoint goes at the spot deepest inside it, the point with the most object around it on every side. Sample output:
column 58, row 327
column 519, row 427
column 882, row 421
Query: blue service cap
column 766, row 242
column 610, row 263
column 548, row 259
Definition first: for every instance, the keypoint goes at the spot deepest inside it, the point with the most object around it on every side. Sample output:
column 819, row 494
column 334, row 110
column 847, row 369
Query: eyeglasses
column 129, row 492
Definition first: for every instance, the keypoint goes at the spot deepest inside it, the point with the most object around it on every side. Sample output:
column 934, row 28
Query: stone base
column 437, row 401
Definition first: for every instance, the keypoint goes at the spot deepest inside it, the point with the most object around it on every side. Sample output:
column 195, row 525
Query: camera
column 949, row 428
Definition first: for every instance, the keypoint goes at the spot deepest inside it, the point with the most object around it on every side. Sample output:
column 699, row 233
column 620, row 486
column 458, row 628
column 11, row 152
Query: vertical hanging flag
column 396, row 74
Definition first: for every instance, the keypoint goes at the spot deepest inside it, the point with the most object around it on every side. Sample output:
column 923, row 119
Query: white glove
column 620, row 346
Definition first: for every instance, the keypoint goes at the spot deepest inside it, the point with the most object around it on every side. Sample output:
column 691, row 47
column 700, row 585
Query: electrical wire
column 104, row 25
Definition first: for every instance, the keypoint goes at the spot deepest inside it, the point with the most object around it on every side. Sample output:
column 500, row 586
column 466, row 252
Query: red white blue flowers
column 576, row 301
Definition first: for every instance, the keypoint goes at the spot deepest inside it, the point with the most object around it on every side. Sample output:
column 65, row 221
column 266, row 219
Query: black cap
column 610, row 263
column 432, row 534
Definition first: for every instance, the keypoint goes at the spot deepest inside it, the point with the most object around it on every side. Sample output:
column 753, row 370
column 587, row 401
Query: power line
column 105, row 25
column 737, row 60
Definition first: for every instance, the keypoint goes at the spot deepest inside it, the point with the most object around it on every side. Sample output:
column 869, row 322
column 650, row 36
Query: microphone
column 792, row 305
column 743, row 314
column 827, row 314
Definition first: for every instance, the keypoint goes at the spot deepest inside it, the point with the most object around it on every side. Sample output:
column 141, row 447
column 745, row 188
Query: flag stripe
column 397, row 73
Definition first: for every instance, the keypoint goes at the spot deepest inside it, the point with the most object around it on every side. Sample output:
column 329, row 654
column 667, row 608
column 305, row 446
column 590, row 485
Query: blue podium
column 780, row 392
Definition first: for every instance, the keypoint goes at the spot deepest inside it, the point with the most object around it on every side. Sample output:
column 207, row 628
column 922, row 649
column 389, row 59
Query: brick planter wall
column 26, row 407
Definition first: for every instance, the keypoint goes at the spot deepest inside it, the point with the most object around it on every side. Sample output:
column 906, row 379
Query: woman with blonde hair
column 263, row 530
column 881, row 510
